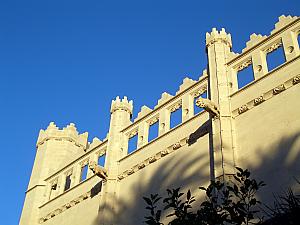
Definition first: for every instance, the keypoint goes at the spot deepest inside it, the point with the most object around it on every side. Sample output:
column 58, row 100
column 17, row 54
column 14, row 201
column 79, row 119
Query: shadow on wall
column 186, row 168
column 279, row 168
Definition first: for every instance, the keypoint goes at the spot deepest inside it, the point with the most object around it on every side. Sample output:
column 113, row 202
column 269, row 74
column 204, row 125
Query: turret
column 121, row 111
column 55, row 148
column 218, row 46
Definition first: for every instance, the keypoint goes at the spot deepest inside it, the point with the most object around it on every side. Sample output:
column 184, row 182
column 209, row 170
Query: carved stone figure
column 98, row 170
column 209, row 106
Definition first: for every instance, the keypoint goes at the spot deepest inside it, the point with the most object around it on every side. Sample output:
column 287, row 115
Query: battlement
column 68, row 133
column 216, row 35
column 122, row 104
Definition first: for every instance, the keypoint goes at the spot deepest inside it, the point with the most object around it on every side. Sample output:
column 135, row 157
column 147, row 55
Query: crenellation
column 254, row 40
column 68, row 133
column 164, row 98
column 283, row 21
column 144, row 111
column 187, row 83
column 218, row 36
column 122, row 104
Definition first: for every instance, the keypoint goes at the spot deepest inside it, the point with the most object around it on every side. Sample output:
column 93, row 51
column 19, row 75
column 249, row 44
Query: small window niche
column 83, row 174
column 245, row 76
column 176, row 118
column 68, row 182
column 101, row 160
column 275, row 58
column 197, row 109
column 153, row 131
column 132, row 144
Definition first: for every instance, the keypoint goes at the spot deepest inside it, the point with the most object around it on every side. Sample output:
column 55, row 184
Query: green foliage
column 286, row 210
column 225, row 203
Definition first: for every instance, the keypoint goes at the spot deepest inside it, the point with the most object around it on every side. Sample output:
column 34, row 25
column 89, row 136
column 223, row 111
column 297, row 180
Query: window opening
column 153, row 131
column 175, row 118
column 101, row 160
column 68, row 182
column 275, row 58
column 196, row 108
column 132, row 143
column 245, row 76
column 83, row 174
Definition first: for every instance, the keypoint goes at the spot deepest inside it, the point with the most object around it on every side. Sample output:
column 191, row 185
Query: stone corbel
column 209, row 106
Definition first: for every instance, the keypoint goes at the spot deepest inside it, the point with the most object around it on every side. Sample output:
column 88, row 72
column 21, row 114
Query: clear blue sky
column 64, row 61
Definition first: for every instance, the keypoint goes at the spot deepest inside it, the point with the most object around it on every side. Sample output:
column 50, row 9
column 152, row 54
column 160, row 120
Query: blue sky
column 64, row 61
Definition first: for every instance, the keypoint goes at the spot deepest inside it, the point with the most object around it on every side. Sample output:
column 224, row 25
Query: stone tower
column 55, row 148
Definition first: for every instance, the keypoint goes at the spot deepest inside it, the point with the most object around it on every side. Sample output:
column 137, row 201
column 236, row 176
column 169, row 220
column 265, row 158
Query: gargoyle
column 98, row 170
column 209, row 106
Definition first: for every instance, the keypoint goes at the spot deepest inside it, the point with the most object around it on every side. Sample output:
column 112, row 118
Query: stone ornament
column 243, row 109
column 273, row 47
column 278, row 89
column 244, row 65
column 98, row 170
column 258, row 100
column 176, row 146
column 296, row 79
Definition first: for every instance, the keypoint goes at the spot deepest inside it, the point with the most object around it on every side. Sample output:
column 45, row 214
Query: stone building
column 243, row 111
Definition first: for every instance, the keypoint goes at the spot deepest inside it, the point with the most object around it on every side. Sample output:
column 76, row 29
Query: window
column 132, row 143
column 275, row 58
column 245, row 76
column 83, row 174
column 101, row 160
column 197, row 109
column 153, row 131
column 68, row 182
column 176, row 118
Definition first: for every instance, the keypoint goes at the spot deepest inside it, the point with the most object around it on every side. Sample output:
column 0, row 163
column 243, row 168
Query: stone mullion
column 290, row 45
column 164, row 121
column 187, row 107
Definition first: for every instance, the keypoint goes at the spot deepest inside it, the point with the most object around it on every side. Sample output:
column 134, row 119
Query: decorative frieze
column 244, row 65
column 152, row 159
column 273, row 47
column 267, row 95
column 65, row 207
column 176, row 106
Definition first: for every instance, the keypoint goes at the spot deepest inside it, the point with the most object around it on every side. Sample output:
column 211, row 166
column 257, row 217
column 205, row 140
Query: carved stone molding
column 273, row 47
column 267, row 95
column 65, row 207
column 133, row 133
column 243, row 109
column 176, row 146
column 258, row 100
column 244, row 65
column 278, row 89
column 176, row 106
column 199, row 91
column 296, row 79
column 152, row 159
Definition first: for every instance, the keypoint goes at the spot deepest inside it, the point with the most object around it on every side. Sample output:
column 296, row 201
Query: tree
column 225, row 203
